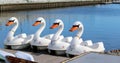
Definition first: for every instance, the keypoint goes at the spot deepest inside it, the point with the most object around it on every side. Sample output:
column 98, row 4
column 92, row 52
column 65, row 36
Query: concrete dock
column 112, row 56
column 95, row 58
column 42, row 57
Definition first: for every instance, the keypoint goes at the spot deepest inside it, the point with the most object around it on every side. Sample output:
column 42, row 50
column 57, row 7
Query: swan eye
column 11, row 20
column 56, row 23
column 38, row 21
column 75, row 25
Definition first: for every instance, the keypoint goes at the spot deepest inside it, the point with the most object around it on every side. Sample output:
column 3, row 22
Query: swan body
column 67, row 39
column 78, row 46
column 39, row 42
column 18, row 54
column 19, row 41
column 79, row 49
column 58, row 45
column 49, row 36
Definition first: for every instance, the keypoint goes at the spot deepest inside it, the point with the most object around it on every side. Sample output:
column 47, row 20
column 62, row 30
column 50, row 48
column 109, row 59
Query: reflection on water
column 101, row 22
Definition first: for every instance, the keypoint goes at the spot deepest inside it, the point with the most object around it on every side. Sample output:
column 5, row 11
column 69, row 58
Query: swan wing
column 67, row 39
column 87, row 43
column 17, row 41
column 49, row 36
column 29, row 38
column 61, row 37
column 23, row 35
column 98, row 46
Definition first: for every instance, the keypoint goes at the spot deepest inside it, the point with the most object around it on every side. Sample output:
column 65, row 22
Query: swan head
column 77, row 25
column 57, row 23
column 12, row 21
column 39, row 20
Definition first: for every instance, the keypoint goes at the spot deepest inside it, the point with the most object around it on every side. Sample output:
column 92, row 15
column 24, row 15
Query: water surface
column 101, row 22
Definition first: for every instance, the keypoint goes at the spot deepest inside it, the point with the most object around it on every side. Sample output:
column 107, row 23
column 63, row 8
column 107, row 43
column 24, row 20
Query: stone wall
column 37, row 1
column 16, row 5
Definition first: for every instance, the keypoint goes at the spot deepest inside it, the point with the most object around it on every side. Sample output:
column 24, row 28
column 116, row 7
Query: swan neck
column 56, row 36
column 77, row 38
column 12, row 31
column 80, row 32
column 38, row 33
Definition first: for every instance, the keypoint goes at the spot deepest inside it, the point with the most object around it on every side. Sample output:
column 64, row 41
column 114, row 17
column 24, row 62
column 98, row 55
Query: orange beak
column 73, row 29
column 36, row 23
column 9, row 23
column 54, row 26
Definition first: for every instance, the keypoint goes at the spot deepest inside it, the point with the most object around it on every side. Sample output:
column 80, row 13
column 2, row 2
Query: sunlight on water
column 101, row 22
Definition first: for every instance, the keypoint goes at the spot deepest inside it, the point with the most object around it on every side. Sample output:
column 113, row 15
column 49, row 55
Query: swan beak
column 73, row 29
column 36, row 23
column 9, row 23
column 54, row 26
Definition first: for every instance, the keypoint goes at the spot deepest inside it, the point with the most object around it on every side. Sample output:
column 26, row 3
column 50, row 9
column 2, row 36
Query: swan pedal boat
column 20, row 41
column 38, row 42
column 76, row 47
column 58, row 46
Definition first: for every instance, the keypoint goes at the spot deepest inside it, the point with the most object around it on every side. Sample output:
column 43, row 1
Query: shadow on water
column 101, row 22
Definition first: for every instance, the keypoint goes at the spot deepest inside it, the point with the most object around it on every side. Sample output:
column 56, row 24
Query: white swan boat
column 20, row 41
column 76, row 48
column 58, row 46
column 38, row 42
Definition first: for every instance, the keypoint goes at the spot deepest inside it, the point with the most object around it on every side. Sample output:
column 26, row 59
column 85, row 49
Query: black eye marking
column 11, row 20
column 56, row 23
column 75, row 25
column 38, row 21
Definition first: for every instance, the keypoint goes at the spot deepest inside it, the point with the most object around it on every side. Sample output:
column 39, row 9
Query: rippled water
column 101, row 22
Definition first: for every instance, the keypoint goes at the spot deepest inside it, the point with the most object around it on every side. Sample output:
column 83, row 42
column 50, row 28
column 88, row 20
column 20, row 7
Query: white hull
column 39, row 47
column 57, row 52
column 17, row 46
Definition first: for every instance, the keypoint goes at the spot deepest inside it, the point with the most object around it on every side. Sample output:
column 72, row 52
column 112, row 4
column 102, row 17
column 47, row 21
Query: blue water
column 101, row 22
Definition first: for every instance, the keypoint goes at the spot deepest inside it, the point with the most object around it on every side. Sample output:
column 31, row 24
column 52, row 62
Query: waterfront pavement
column 94, row 58
column 42, row 57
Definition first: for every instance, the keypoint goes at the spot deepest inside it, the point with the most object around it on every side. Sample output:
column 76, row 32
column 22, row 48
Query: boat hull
column 57, row 52
column 17, row 46
column 39, row 47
